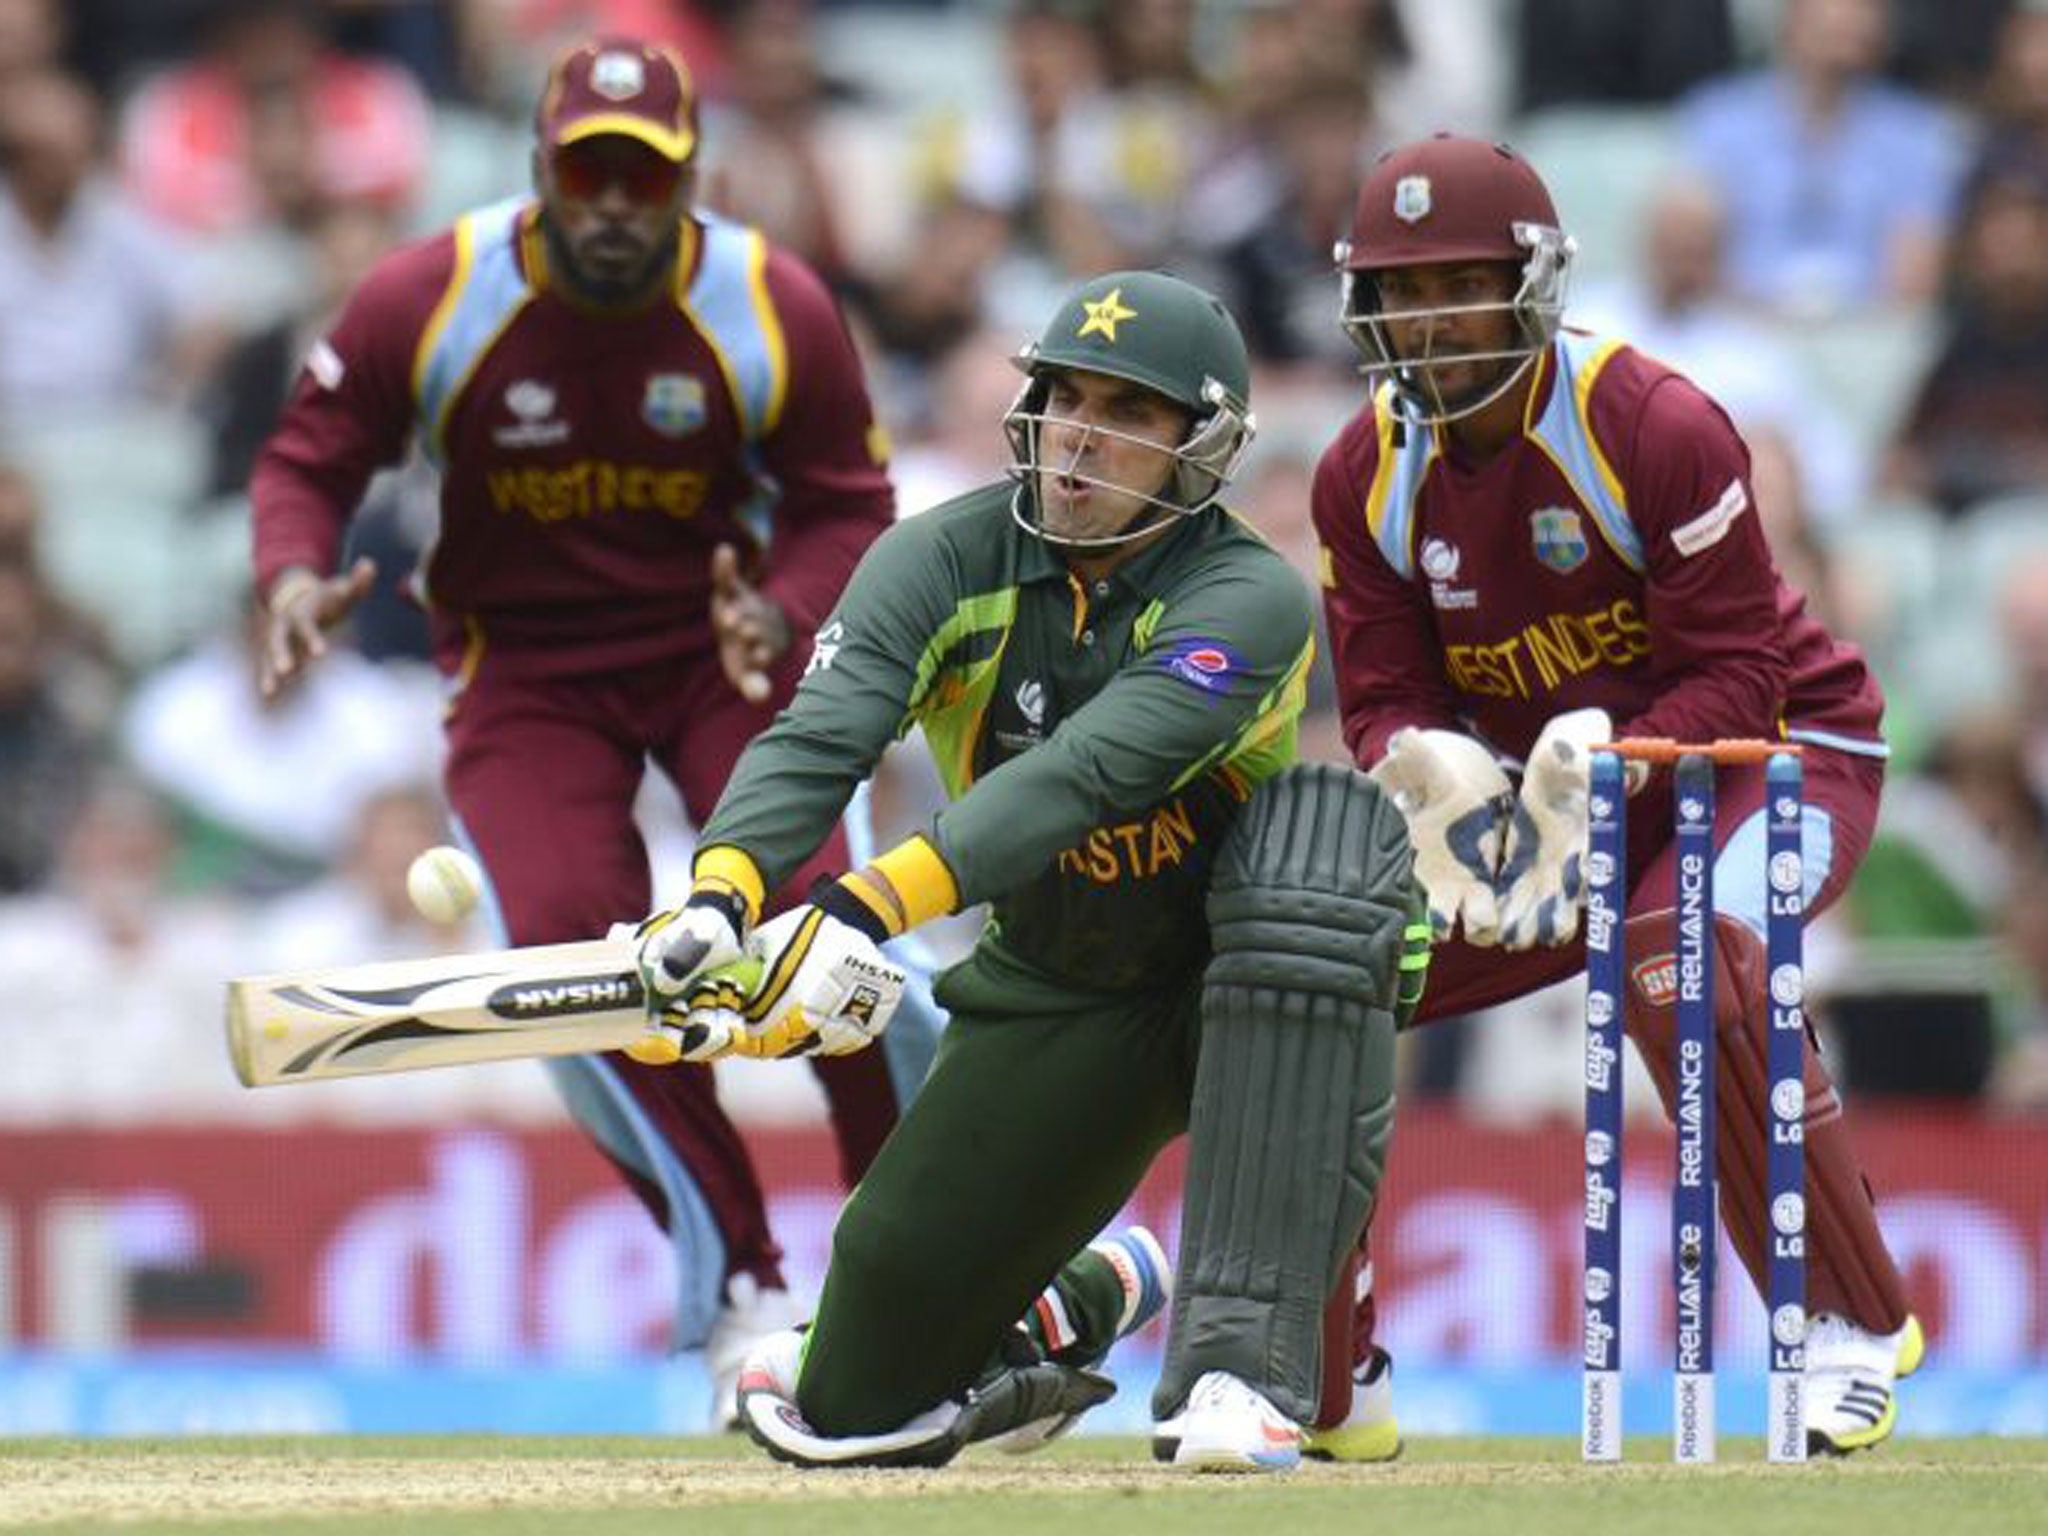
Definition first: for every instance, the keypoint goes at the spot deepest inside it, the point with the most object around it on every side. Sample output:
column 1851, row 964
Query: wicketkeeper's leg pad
column 1849, row 1268
column 1311, row 904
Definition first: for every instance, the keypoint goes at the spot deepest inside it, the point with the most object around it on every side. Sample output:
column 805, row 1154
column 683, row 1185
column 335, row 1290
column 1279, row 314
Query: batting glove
column 676, row 950
column 1457, row 801
column 825, row 988
column 1543, row 868
column 678, row 944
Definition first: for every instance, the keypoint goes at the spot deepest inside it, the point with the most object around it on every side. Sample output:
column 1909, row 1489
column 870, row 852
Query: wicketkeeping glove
column 1457, row 801
column 1542, row 873
column 825, row 989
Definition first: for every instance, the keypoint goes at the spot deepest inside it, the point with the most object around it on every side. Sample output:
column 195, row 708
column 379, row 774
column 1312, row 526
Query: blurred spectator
column 359, row 910
column 20, row 516
column 113, row 981
column 1838, row 186
column 1265, row 225
column 1955, row 844
column 1616, row 52
column 45, row 759
column 426, row 36
column 2019, row 1078
column 397, row 517
column 956, row 441
column 77, row 656
column 1946, row 47
column 1677, row 308
column 268, row 121
column 271, row 792
column 1980, row 425
column 768, row 142
column 98, row 306
column 2015, row 95
column 1778, row 486
column 31, row 39
column 1071, row 173
column 1427, row 65
column 2023, row 629
column 347, row 237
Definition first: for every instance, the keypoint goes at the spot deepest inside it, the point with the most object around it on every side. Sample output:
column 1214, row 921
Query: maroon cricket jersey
column 1610, row 556
column 590, row 461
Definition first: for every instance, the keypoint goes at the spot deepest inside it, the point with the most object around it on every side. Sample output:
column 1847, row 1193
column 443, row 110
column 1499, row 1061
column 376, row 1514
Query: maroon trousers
column 542, row 774
column 1844, row 789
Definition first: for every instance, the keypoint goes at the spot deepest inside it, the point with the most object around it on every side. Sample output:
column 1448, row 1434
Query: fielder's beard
column 610, row 293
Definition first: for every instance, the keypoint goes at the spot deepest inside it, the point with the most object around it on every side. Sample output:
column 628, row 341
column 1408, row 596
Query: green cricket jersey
column 1094, row 740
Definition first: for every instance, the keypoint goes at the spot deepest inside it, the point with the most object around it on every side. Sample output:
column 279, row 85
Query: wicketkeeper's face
column 1453, row 322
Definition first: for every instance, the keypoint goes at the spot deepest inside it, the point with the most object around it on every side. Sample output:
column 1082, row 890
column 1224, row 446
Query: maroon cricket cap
column 620, row 85
column 1446, row 199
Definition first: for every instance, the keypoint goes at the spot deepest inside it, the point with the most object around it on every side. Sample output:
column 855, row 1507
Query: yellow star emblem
column 1103, row 315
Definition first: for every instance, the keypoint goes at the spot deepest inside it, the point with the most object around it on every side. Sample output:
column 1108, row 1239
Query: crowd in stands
column 1833, row 213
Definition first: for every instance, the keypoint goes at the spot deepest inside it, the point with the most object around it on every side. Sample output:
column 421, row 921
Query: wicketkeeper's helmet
column 1447, row 199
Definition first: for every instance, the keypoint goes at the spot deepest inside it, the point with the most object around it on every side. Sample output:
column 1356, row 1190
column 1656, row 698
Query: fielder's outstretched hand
column 1456, row 799
column 750, row 629
column 301, row 608
column 1543, row 868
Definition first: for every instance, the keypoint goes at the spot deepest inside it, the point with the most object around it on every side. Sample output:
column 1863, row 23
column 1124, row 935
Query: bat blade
column 449, row 1010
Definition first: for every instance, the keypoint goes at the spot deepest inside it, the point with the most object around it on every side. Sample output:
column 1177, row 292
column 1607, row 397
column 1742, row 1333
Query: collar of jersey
column 1140, row 573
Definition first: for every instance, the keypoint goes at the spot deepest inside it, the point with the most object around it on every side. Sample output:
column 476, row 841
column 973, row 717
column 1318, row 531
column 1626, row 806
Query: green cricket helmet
column 1167, row 335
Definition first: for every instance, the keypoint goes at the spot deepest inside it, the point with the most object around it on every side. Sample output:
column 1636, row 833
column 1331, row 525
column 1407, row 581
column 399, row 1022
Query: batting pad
column 1293, row 1100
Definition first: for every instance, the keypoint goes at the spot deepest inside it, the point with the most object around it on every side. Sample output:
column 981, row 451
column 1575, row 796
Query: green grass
column 485, row 1486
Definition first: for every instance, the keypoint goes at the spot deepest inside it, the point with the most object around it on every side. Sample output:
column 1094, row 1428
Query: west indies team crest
column 674, row 403
column 1559, row 535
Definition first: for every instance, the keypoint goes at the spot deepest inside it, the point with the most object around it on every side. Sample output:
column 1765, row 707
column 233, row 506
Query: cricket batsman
column 1189, row 932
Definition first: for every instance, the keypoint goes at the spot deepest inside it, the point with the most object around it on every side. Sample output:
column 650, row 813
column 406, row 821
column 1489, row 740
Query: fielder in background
column 1190, row 932
column 658, row 465
column 1535, row 539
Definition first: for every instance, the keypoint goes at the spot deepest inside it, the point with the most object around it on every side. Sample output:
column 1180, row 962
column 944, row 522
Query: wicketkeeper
column 1188, row 933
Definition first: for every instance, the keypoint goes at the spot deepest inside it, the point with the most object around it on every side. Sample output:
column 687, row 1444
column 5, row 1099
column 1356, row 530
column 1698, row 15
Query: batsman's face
column 1437, row 313
column 613, row 206
column 1105, row 452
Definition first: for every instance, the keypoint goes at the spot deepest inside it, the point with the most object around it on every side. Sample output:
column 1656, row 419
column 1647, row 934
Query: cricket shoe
column 1141, row 1270
column 1850, row 1404
column 767, row 1411
column 1228, row 1426
column 752, row 1312
column 1368, row 1432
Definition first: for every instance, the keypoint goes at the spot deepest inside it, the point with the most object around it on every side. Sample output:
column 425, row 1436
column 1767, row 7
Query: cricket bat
column 447, row 1010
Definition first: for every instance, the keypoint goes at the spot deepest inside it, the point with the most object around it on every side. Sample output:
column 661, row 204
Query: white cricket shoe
column 1850, row 1404
column 1228, row 1426
column 752, row 1312
column 1368, row 1432
column 769, row 1414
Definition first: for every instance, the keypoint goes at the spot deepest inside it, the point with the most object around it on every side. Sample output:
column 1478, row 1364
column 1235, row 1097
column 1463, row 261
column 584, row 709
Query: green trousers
column 1040, row 1116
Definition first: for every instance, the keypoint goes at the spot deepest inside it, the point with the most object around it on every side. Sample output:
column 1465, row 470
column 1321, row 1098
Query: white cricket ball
column 444, row 884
